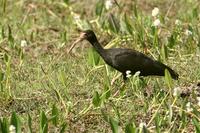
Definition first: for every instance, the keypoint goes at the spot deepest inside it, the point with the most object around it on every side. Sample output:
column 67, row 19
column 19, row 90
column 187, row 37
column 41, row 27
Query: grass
column 44, row 89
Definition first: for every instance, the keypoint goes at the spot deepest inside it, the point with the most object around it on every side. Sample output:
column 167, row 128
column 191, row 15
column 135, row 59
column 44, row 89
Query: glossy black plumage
column 127, row 59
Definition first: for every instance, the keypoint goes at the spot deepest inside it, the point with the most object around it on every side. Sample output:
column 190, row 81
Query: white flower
column 23, row 43
column 177, row 22
column 12, row 129
column 76, row 16
column 188, row 107
column 155, row 12
column 177, row 91
column 69, row 103
column 128, row 73
column 156, row 23
column 188, row 32
column 77, row 20
column 137, row 73
column 198, row 99
column 108, row 4
column 142, row 124
column 41, row 63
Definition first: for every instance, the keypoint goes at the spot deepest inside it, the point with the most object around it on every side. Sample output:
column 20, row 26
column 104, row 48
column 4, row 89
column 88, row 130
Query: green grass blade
column 96, row 100
column 63, row 127
column 196, row 124
column 15, row 121
column 168, row 79
column 130, row 128
column 30, row 123
column 113, row 23
column 55, row 115
column 99, row 7
column 43, row 123
column 4, row 126
column 114, row 125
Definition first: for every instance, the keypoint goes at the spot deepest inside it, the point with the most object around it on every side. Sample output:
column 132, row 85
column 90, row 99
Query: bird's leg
column 142, row 79
column 121, row 86
column 124, row 77
column 121, row 89
column 115, row 78
column 147, row 91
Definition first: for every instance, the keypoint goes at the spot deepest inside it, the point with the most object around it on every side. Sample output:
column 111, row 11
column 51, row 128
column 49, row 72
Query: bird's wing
column 134, row 61
column 127, row 59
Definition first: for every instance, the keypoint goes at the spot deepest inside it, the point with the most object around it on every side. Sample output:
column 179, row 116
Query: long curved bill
column 81, row 38
column 74, row 44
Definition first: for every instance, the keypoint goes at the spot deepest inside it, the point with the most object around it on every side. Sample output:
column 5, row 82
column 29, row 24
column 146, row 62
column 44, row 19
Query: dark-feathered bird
column 126, row 59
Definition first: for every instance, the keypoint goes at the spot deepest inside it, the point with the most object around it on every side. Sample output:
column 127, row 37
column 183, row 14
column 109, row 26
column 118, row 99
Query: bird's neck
column 97, row 46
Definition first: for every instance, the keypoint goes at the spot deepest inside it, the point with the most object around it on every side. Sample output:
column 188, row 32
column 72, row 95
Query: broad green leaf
column 66, row 1
column 153, row 30
column 129, row 28
column 43, row 123
column 107, row 91
column 99, row 7
column 21, row 54
column 196, row 124
column 63, row 78
column 64, row 36
column 1, row 76
column 168, row 79
column 96, row 100
column 143, row 129
column 195, row 12
column 1, row 86
column 30, row 123
column 155, row 38
column 90, row 58
column 164, row 52
column 113, row 23
column 130, row 128
column 4, row 3
column 114, row 125
column 157, row 121
column 55, row 115
column 15, row 121
column 93, row 57
column 135, row 10
column 4, row 125
column 63, row 127
column 6, row 57
column 171, row 40
column 10, row 37
column 3, row 32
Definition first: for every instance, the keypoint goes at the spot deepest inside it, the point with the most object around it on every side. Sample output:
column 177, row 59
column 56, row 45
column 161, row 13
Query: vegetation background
column 44, row 89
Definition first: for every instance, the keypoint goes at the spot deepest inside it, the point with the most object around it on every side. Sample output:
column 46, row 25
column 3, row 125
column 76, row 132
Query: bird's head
column 88, row 35
column 85, row 35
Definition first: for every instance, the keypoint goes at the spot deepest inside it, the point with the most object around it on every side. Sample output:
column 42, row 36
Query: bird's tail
column 173, row 74
column 162, row 67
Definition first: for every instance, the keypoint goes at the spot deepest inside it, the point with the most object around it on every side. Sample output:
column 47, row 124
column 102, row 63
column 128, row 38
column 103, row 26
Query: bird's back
column 128, row 59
